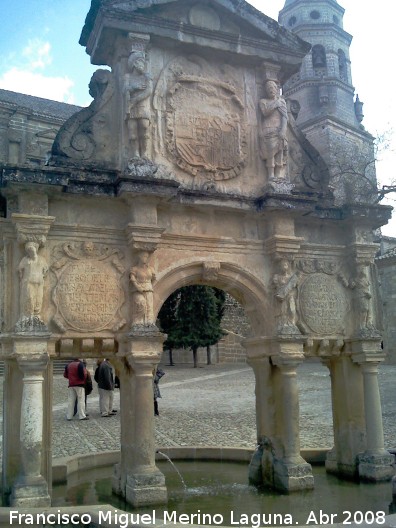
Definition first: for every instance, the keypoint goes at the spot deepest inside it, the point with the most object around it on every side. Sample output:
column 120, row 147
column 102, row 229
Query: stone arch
column 319, row 57
column 250, row 292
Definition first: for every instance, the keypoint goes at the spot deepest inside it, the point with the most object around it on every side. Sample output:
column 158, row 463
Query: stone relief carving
column 32, row 271
column 210, row 271
column 204, row 115
column 329, row 267
column 362, row 301
column 137, row 89
column 88, row 295
column 85, row 134
column 142, row 276
column 272, row 132
column 285, row 290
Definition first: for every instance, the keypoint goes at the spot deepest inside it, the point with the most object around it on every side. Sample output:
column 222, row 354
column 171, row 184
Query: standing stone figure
column 32, row 270
column 285, row 285
column 142, row 276
column 138, row 87
column 363, row 300
column 272, row 131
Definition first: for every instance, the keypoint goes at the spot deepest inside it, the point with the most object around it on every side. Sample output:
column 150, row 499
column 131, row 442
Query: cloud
column 28, row 74
column 38, row 54
column 32, row 83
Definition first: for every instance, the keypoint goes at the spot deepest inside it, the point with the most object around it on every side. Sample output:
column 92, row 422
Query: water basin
column 219, row 490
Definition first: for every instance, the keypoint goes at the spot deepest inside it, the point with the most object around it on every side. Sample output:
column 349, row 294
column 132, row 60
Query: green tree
column 168, row 317
column 193, row 318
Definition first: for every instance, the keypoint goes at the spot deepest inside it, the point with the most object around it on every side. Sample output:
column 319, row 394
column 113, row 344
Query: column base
column 292, row 475
column 30, row 493
column 116, row 484
column 341, row 469
column 376, row 467
column 144, row 489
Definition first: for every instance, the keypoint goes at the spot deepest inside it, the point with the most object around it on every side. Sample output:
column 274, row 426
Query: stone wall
column 386, row 264
column 28, row 126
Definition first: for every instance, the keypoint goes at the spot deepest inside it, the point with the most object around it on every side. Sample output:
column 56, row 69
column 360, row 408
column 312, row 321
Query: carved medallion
column 323, row 304
column 205, row 127
column 88, row 295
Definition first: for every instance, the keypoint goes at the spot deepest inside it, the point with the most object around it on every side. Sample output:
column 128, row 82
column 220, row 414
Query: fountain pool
column 220, row 490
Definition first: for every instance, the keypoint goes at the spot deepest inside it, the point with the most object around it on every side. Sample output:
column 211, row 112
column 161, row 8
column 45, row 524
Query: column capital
column 25, row 345
column 287, row 348
column 141, row 350
column 367, row 351
column 32, row 228
column 143, row 237
column 34, row 365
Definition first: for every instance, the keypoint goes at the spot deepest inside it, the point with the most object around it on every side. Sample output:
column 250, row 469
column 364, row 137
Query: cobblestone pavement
column 213, row 406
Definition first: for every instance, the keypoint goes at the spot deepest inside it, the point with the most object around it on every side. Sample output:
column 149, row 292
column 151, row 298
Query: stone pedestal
column 137, row 478
column 31, row 488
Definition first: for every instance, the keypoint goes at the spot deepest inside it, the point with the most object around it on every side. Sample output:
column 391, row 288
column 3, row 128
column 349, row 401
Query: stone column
column 12, row 396
column 291, row 471
column 274, row 361
column 375, row 464
column 140, row 481
column 348, row 416
column 31, row 488
column 258, row 350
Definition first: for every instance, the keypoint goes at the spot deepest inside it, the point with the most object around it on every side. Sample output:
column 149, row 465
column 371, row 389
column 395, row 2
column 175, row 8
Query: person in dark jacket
column 157, row 393
column 104, row 377
column 88, row 387
column 76, row 373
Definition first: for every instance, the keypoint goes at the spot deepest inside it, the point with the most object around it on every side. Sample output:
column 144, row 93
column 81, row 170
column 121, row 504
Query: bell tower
column 321, row 95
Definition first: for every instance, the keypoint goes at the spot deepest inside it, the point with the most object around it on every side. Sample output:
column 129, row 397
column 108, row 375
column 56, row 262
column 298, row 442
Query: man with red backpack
column 76, row 373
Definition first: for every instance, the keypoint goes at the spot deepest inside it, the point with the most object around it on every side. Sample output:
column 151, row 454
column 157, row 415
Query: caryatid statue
column 363, row 300
column 137, row 89
column 285, row 291
column 32, row 271
column 142, row 276
column 272, row 131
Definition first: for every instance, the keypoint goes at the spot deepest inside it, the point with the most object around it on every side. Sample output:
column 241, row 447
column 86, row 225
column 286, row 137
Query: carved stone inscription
column 323, row 304
column 89, row 295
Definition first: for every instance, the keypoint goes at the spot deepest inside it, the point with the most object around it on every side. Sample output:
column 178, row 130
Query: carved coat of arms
column 205, row 128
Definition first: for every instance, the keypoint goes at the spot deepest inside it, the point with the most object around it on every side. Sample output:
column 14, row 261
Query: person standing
column 104, row 377
column 87, row 390
column 157, row 393
column 76, row 373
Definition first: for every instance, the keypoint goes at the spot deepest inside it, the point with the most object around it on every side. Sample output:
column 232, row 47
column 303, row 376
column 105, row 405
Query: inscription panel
column 323, row 304
column 89, row 295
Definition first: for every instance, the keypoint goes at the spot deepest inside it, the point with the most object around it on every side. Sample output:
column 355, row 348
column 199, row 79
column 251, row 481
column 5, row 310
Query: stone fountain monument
column 187, row 168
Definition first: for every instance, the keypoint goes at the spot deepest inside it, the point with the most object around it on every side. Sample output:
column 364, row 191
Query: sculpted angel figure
column 142, row 276
column 272, row 131
column 137, row 88
column 285, row 286
column 32, row 271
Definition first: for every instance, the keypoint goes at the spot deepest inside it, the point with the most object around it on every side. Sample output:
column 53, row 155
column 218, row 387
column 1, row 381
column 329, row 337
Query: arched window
column 318, row 56
column 342, row 65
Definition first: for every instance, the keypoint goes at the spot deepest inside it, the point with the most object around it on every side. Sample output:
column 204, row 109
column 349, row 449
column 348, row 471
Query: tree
column 352, row 168
column 193, row 318
column 168, row 317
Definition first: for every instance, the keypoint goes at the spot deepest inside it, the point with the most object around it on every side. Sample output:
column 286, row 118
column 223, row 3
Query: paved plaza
column 213, row 406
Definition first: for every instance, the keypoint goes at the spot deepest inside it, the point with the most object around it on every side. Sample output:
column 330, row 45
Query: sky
column 40, row 55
